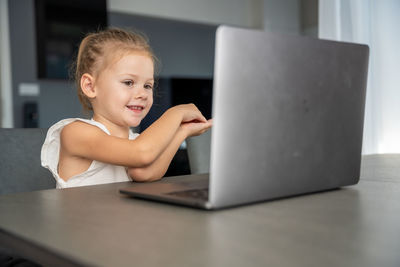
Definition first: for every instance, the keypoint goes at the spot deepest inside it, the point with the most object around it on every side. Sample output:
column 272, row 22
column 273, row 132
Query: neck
column 114, row 129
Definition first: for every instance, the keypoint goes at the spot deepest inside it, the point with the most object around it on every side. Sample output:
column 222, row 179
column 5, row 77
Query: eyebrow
column 135, row 76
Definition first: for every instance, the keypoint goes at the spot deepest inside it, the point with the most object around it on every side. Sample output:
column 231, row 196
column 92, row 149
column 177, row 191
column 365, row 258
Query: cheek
column 121, row 95
column 150, row 99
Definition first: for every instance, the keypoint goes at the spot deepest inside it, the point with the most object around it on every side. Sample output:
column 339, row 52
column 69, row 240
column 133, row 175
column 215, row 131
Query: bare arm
column 157, row 169
column 79, row 139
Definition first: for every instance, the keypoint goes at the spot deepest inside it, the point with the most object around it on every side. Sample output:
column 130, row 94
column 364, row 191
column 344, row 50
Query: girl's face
column 124, row 91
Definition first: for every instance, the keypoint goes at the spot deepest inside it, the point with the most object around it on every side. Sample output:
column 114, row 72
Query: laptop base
column 172, row 192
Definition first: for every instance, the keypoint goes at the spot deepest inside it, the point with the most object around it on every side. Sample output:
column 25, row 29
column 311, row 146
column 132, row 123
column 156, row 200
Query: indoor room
column 199, row 133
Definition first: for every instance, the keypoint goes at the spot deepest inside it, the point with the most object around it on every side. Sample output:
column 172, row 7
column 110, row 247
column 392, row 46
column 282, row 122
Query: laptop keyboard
column 193, row 193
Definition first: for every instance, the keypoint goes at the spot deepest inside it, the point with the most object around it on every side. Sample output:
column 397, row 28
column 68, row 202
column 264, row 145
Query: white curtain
column 376, row 23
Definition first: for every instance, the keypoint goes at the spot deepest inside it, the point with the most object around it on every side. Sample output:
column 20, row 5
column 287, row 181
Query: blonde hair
column 97, row 50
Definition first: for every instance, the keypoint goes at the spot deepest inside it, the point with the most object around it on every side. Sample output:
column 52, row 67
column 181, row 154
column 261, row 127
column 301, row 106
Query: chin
column 134, row 123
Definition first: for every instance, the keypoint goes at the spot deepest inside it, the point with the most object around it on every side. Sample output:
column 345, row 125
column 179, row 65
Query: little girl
column 115, row 79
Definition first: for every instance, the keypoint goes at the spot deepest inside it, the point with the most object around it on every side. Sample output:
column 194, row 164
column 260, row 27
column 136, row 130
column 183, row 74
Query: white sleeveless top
column 97, row 173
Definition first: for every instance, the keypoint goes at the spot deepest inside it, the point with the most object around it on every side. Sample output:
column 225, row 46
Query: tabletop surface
column 353, row 226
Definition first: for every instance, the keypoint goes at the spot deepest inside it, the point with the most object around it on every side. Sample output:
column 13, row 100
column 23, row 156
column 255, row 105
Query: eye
column 148, row 86
column 128, row 83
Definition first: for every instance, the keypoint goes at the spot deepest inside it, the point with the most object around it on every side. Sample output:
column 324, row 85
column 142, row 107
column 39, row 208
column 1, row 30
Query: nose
column 140, row 92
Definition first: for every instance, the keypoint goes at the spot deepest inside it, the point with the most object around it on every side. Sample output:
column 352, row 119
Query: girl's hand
column 194, row 128
column 190, row 113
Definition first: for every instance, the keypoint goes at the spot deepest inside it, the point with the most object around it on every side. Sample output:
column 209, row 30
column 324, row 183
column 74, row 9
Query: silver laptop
column 288, row 120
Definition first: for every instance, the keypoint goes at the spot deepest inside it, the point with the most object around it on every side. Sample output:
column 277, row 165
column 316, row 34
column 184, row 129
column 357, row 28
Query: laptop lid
column 288, row 115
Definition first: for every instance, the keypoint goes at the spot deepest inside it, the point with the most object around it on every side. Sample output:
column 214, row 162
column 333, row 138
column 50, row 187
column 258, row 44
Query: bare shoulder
column 79, row 133
column 79, row 128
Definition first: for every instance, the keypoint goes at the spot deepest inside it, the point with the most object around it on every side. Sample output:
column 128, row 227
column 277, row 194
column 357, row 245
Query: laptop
column 288, row 120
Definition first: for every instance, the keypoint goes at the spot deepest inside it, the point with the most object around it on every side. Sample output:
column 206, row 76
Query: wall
column 23, row 51
column 185, row 49
column 282, row 16
column 298, row 17
column 236, row 12
column 309, row 17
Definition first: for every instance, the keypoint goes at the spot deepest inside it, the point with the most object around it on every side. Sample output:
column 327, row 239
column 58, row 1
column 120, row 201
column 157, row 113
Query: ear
column 87, row 85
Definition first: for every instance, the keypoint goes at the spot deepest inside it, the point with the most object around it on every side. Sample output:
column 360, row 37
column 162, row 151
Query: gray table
column 353, row 226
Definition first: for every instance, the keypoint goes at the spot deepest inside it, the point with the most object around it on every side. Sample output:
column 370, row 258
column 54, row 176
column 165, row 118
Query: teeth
column 136, row 107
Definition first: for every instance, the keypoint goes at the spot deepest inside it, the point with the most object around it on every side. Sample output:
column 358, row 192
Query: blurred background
column 39, row 38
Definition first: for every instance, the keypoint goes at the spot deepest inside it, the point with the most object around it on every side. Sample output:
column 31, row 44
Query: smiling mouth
column 135, row 108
